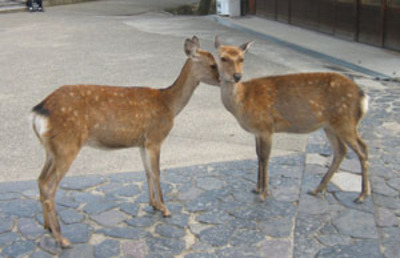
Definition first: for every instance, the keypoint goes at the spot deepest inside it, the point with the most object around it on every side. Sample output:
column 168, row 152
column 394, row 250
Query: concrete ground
column 134, row 43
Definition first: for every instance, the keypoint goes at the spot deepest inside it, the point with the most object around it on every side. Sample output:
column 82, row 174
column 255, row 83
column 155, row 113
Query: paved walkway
column 215, row 214
column 214, row 211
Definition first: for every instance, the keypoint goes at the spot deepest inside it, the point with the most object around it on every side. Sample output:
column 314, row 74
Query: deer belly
column 115, row 138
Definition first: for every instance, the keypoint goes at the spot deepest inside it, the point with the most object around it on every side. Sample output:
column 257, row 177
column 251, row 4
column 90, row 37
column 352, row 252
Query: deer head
column 204, row 64
column 231, row 60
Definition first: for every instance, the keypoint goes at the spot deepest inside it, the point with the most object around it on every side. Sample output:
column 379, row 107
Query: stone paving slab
column 215, row 213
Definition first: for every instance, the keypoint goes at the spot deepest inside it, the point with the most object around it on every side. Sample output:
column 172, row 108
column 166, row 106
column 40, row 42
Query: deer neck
column 228, row 95
column 179, row 93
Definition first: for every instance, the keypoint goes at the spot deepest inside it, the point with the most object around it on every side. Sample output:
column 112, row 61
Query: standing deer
column 113, row 117
column 296, row 103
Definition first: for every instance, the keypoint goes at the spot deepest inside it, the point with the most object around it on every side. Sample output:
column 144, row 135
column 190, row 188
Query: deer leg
column 153, row 154
column 360, row 148
column 48, row 184
column 47, row 168
column 265, row 143
column 339, row 152
column 149, row 176
column 259, row 172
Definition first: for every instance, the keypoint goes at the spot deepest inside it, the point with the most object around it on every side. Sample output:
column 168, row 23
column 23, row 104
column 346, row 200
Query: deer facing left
column 113, row 117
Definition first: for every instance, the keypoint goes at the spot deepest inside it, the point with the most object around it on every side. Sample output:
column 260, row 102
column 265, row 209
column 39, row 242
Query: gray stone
column 395, row 183
column 126, row 191
column 75, row 251
column 71, row 216
column 40, row 254
column 281, row 227
column 217, row 236
column 19, row 208
column 81, row 182
column 305, row 246
column 210, row 183
column 99, row 206
column 50, row 245
column 30, row 229
column 107, row 248
column 351, row 165
column 383, row 189
column 9, row 196
column 386, row 218
column 125, row 232
column 356, row 224
column 366, row 248
column 169, row 231
column 7, row 238
column 387, row 201
column 6, row 225
column 110, row 218
column 18, row 249
column 334, row 239
column 191, row 194
column 130, row 208
column 347, row 200
column 214, row 217
column 312, row 205
column 276, row 249
column 238, row 252
column 391, row 251
column 180, row 220
column 68, row 202
column 162, row 245
column 141, row 222
column 77, row 233
column 200, row 255
column 201, row 204
column 245, row 237
column 137, row 249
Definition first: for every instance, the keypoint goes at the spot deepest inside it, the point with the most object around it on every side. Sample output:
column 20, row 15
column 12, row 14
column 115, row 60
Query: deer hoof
column 263, row 195
column 255, row 191
column 360, row 199
column 166, row 213
column 65, row 243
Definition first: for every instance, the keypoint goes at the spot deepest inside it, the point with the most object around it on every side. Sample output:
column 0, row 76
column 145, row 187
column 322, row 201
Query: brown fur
column 296, row 103
column 113, row 117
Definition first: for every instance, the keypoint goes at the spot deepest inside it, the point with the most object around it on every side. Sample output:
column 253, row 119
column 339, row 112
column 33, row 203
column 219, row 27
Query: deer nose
column 237, row 77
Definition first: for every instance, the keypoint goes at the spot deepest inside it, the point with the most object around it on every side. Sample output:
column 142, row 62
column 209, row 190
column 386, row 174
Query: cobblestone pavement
column 215, row 213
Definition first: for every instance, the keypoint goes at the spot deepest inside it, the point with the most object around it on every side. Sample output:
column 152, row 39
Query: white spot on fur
column 40, row 124
column 364, row 104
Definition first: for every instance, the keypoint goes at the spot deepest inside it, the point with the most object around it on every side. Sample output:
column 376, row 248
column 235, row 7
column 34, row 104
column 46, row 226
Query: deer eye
column 223, row 59
column 241, row 60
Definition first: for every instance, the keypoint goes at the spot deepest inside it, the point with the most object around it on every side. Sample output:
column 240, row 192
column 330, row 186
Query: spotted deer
column 113, row 118
column 295, row 103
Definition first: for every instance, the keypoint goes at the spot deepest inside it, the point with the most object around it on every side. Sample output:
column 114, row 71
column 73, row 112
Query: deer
column 294, row 103
column 113, row 117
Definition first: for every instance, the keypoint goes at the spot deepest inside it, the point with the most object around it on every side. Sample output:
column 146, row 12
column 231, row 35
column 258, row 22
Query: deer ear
column 217, row 42
column 190, row 48
column 196, row 41
column 244, row 47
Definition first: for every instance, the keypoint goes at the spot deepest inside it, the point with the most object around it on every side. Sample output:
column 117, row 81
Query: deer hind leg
column 351, row 138
column 263, row 153
column 152, row 154
column 48, row 168
column 48, row 184
column 361, row 149
column 339, row 152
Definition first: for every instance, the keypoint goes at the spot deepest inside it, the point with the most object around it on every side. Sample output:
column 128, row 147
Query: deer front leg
column 149, row 176
column 152, row 153
column 257, row 190
column 264, row 151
